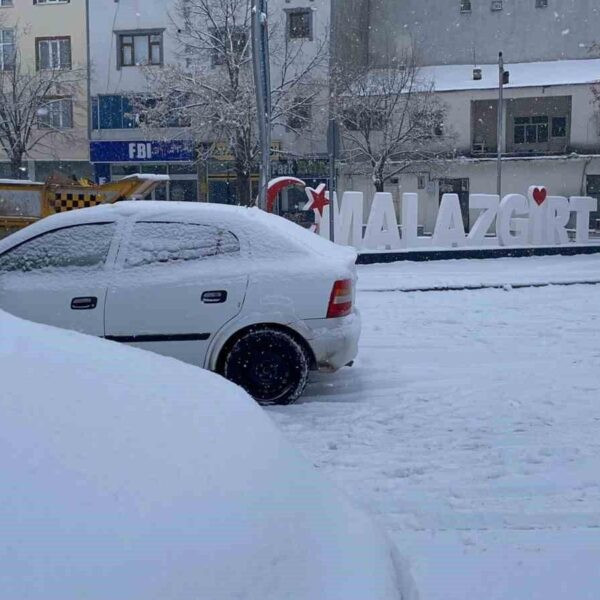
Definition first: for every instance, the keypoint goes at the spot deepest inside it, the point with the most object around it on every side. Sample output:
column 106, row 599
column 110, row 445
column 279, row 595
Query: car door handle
column 84, row 303
column 214, row 297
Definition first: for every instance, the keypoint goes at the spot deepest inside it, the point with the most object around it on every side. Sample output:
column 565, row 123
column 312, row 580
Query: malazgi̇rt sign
column 537, row 219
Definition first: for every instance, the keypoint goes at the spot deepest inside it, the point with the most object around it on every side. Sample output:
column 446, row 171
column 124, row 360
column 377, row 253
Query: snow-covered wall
column 443, row 34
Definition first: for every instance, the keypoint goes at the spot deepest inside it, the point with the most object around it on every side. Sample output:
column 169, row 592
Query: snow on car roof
column 130, row 475
column 282, row 228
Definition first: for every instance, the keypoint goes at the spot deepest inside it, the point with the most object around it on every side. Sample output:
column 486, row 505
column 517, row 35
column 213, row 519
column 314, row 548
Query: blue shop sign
column 142, row 151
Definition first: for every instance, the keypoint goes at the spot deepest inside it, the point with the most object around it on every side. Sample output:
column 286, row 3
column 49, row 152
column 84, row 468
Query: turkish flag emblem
column 317, row 199
column 539, row 195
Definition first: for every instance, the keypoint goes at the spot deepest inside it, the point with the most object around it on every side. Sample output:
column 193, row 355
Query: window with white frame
column 57, row 113
column 7, row 49
column 53, row 53
column 6, row 2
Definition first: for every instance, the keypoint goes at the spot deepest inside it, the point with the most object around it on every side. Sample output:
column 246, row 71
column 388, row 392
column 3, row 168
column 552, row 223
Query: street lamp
column 332, row 134
column 503, row 79
column 262, row 84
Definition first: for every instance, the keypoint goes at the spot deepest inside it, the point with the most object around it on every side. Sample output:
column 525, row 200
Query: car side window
column 79, row 246
column 170, row 242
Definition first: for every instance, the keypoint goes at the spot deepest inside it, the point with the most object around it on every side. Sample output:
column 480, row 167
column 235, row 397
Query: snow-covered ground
column 470, row 426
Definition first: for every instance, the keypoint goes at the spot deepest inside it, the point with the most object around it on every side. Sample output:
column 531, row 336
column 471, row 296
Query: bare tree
column 36, row 108
column 211, row 90
column 392, row 121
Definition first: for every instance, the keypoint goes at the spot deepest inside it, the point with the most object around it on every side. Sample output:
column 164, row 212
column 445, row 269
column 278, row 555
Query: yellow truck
column 24, row 202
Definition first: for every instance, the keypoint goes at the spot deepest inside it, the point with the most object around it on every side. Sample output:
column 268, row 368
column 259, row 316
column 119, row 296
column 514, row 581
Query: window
column 53, row 53
column 496, row 5
column 465, row 5
column 57, row 114
column 6, row 2
column 230, row 43
column 81, row 246
column 541, row 3
column 123, row 112
column 299, row 24
column 301, row 113
column 559, row 127
column 153, row 243
column 531, row 130
column 7, row 49
column 366, row 119
column 137, row 49
column 51, row 1
column 438, row 124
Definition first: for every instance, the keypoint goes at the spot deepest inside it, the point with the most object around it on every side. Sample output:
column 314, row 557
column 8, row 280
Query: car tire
column 270, row 364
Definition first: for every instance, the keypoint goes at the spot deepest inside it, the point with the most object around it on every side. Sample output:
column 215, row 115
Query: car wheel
column 269, row 364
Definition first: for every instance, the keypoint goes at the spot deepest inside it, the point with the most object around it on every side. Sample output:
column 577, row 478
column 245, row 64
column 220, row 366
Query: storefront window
column 155, row 169
column 183, row 169
column 118, row 171
column 184, row 190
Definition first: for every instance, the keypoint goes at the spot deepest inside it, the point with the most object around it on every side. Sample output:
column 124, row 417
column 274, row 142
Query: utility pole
column 262, row 83
column 500, row 127
column 332, row 133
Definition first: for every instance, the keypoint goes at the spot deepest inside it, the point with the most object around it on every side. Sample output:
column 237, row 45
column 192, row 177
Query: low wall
column 370, row 258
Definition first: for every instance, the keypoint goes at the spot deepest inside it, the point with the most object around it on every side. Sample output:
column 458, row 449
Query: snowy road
column 470, row 427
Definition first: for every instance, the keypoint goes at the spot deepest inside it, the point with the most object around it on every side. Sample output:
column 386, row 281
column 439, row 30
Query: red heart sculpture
column 539, row 195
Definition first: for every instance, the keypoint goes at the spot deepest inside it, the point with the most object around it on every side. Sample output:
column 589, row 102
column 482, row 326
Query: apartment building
column 51, row 35
column 551, row 123
column 130, row 36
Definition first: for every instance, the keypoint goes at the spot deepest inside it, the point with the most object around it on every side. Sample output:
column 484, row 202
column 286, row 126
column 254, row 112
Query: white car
column 235, row 290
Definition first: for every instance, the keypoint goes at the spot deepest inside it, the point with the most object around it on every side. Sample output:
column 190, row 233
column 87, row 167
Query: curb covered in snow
column 492, row 286
column 369, row 258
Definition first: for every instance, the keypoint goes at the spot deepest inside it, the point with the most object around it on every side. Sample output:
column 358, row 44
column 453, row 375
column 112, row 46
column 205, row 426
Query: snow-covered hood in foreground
column 129, row 476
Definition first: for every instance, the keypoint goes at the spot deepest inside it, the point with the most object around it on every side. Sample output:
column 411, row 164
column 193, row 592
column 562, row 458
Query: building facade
column 51, row 34
column 550, row 117
column 128, row 37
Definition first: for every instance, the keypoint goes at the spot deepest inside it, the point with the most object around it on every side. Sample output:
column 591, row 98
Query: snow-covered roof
column 147, row 177
column 19, row 182
column 448, row 78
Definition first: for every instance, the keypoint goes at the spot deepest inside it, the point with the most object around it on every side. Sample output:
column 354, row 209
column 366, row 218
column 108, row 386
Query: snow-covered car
column 235, row 290
column 127, row 475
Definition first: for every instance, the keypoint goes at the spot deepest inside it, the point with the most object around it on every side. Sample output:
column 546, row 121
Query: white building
column 551, row 124
column 552, row 134
column 126, row 34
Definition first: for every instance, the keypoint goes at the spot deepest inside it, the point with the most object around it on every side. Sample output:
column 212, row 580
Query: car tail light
column 340, row 303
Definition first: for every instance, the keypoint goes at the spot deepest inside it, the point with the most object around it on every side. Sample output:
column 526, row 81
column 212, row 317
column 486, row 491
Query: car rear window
column 170, row 242
column 79, row 246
